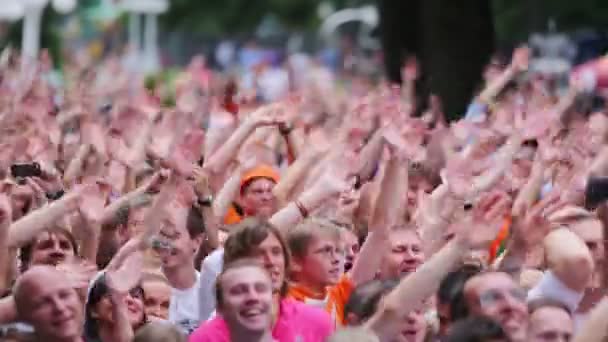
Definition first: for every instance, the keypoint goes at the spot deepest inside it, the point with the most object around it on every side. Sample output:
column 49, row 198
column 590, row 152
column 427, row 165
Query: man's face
column 180, row 247
column 550, row 324
column 405, row 255
column 271, row 255
column 497, row 296
column 157, row 299
column 323, row 263
column 257, row 198
column 591, row 232
column 51, row 248
column 247, row 299
column 598, row 128
column 53, row 308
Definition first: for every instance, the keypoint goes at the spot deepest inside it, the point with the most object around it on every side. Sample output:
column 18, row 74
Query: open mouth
column 409, row 334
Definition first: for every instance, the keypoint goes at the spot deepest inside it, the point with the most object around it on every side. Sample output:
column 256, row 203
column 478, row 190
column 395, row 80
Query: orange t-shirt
column 333, row 300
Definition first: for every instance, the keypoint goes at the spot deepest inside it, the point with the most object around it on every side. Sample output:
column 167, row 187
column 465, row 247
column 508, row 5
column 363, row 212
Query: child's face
column 324, row 262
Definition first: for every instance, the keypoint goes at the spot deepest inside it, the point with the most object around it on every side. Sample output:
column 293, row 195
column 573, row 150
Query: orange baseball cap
column 261, row 171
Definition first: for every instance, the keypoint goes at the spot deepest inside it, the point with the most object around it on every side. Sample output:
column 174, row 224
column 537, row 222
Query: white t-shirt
column 551, row 287
column 184, row 307
column 210, row 269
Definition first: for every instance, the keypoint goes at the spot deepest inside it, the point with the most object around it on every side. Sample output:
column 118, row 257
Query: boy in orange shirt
column 318, row 278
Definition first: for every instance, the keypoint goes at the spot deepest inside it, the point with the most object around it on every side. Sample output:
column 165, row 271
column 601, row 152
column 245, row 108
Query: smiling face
column 246, row 299
column 50, row 305
column 134, row 301
column 405, row 255
column 52, row 248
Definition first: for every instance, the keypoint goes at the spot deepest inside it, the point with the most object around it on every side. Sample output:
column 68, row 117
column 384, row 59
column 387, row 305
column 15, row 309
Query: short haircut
column 300, row 237
column 537, row 304
column 159, row 331
column 246, row 236
column 195, row 223
column 25, row 253
column 364, row 299
column 241, row 263
column 476, row 329
column 451, row 291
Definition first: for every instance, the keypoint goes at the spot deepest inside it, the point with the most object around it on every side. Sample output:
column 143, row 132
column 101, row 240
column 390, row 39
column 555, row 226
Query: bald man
column 46, row 300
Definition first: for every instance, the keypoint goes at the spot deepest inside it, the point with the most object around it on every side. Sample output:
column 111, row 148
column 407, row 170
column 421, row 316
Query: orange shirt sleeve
column 338, row 296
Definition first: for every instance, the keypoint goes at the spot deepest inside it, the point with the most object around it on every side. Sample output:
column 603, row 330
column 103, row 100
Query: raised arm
column 338, row 177
column 218, row 161
column 26, row 228
column 476, row 231
column 519, row 63
column 295, row 174
column 386, row 214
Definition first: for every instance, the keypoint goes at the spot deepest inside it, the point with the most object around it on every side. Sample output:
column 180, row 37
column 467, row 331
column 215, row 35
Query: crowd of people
column 328, row 214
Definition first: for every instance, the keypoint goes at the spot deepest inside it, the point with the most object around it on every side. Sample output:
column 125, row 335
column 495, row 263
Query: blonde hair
column 300, row 237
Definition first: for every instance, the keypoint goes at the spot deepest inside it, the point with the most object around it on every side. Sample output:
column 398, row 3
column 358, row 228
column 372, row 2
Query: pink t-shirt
column 297, row 322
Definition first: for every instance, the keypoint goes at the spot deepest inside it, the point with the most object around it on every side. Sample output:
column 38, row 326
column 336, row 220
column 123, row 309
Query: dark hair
column 96, row 293
column 246, row 236
column 451, row 291
column 476, row 329
column 364, row 299
column 25, row 253
column 195, row 223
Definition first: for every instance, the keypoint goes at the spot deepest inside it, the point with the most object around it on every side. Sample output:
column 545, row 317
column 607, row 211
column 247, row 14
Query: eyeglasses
column 491, row 297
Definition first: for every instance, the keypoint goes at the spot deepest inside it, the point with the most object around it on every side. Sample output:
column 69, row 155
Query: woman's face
column 52, row 248
column 134, row 301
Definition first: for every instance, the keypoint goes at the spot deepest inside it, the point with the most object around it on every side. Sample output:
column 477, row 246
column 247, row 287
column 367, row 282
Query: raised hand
column 340, row 176
column 93, row 200
column 126, row 276
column 521, row 58
column 267, row 116
column 531, row 228
column 78, row 274
column 156, row 181
column 411, row 69
column 485, row 220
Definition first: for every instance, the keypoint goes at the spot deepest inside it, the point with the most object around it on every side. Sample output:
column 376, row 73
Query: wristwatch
column 206, row 201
